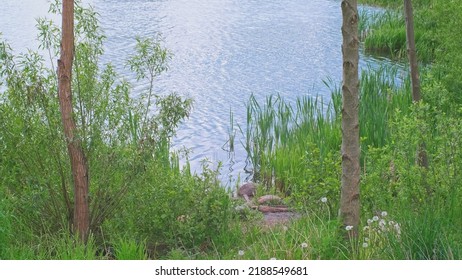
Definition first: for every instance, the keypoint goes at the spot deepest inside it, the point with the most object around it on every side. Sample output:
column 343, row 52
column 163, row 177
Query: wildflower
column 304, row 245
column 397, row 228
column 382, row 223
column 384, row 213
column 365, row 245
column 391, row 223
column 366, row 228
column 375, row 218
column 181, row 218
column 369, row 221
column 366, row 239
column 241, row 253
column 324, row 200
column 348, row 228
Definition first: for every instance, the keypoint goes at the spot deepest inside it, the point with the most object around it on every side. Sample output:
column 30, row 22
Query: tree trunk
column 349, row 198
column 76, row 154
column 411, row 51
column 422, row 158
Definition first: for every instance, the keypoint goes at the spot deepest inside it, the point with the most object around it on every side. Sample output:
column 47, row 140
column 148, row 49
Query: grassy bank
column 145, row 206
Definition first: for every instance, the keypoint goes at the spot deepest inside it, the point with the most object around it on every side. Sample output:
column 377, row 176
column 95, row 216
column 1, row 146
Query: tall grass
column 284, row 141
column 394, row 3
column 5, row 227
column 127, row 249
column 384, row 33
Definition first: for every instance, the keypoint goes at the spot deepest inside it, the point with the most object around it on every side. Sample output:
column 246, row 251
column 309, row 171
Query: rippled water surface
column 224, row 50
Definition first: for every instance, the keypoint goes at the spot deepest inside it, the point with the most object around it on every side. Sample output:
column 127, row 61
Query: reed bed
column 283, row 138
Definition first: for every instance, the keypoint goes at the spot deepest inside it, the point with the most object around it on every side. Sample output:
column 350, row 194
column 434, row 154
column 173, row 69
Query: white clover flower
column 324, row 200
column 240, row 253
column 365, row 245
column 390, row 223
column 366, row 228
column 366, row 239
column 304, row 245
column 375, row 218
column 384, row 213
column 348, row 228
column 369, row 221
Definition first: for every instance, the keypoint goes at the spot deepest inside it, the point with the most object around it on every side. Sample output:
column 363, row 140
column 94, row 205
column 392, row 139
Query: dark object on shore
column 247, row 190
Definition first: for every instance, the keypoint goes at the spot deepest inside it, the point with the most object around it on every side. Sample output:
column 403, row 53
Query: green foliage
column 448, row 57
column 280, row 138
column 65, row 247
column 128, row 249
column 297, row 150
column 144, row 205
column 5, row 227
column 383, row 91
column 286, row 241
column 395, row 3
column 53, row 246
column 384, row 32
column 121, row 136
column 171, row 209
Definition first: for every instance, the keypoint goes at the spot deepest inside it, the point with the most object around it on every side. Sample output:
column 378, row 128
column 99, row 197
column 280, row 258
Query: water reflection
column 224, row 50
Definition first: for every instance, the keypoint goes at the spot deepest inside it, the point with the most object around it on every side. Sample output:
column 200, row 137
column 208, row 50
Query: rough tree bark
column 77, row 158
column 411, row 51
column 349, row 198
column 422, row 158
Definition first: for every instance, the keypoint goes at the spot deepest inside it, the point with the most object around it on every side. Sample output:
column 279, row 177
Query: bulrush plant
column 383, row 31
column 386, row 34
column 294, row 147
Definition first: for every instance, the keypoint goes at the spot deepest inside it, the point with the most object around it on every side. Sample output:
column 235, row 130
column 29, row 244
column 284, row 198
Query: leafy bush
column 127, row 145
column 5, row 228
column 173, row 210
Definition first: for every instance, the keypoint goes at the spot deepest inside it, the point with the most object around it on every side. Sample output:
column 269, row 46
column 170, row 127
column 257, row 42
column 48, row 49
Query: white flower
column 397, row 229
column 365, row 245
column 273, row 259
column 348, row 228
column 366, row 228
column 304, row 245
column 240, row 253
column 366, row 239
column 369, row 221
column 390, row 223
column 384, row 213
column 324, row 200
column 375, row 218
column 382, row 223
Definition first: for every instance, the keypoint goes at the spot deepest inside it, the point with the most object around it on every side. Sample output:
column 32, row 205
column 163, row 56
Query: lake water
column 224, row 51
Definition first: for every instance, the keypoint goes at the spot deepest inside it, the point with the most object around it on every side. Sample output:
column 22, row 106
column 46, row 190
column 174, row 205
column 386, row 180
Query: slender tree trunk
column 76, row 154
column 411, row 51
column 349, row 199
column 422, row 158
